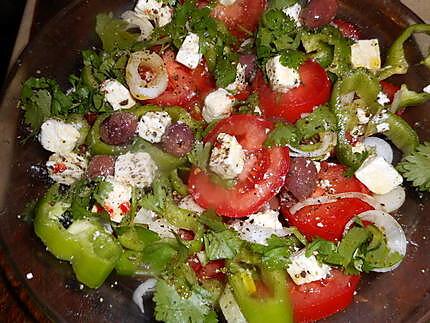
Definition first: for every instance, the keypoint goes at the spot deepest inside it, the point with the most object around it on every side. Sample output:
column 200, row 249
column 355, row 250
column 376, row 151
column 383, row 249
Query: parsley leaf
column 416, row 167
column 174, row 308
column 222, row 245
column 283, row 134
column 113, row 33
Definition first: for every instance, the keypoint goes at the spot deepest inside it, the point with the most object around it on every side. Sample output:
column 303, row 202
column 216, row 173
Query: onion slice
column 230, row 308
column 328, row 141
column 335, row 197
column 392, row 200
column 142, row 290
column 381, row 147
column 396, row 239
column 146, row 75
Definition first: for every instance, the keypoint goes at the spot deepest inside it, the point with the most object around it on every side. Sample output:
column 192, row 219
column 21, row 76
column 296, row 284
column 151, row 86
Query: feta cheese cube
column 240, row 82
column 294, row 13
column 155, row 223
column 135, row 169
column 378, row 175
column 228, row 158
column 382, row 98
column 164, row 16
column 188, row 203
column 282, row 78
column 306, row 269
column 189, row 52
column 117, row 201
column 365, row 53
column 153, row 125
column 427, row 89
column 218, row 105
column 66, row 168
column 117, row 95
column 259, row 227
column 148, row 8
column 58, row 137
column 227, row 2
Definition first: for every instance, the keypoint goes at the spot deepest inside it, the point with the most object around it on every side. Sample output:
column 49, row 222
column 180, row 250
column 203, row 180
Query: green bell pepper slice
column 396, row 62
column 276, row 308
column 367, row 87
column 137, row 238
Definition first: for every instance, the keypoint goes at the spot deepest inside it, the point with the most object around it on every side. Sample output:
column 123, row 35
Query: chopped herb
column 415, row 167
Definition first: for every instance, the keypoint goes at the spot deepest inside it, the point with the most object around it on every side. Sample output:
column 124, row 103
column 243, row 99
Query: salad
column 242, row 153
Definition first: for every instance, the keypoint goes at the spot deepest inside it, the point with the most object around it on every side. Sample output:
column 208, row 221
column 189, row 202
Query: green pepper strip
column 92, row 251
column 277, row 308
column 396, row 62
column 367, row 88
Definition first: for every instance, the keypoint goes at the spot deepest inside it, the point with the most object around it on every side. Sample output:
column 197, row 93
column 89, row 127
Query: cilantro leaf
column 222, row 245
column 113, row 33
column 292, row 58
column 200, row 155
column 283, row 134
column 281, row 4
column 212, row 221
column 159, row 255
column 320, row 120
column 174, row 308
column 416, row 167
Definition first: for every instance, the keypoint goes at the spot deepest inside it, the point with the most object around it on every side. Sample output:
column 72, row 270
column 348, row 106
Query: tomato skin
column 212, row 270
column 186, row 88
column 348, row 30
column 317, row 300
column 242, row 16
column 389, row 89
column 328, row 220
column 315, row 90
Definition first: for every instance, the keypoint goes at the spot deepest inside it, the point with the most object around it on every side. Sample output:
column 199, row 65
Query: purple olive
column 119, row 128
column 178, row 139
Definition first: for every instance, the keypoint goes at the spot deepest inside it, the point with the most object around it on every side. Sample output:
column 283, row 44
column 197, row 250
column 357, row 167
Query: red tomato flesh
column 348, row 29
column 263, row 176
column 317, row 300
column 212, row 270
column 315, row 90
column 389, row 89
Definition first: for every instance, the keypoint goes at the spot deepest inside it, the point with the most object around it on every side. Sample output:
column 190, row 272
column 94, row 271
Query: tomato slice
column 328, row 220
column 263, row 175
column 242, row 17
column 186, row 88
column 320, row 299
column 348, row 29
column 389, row 89
column 314, row 91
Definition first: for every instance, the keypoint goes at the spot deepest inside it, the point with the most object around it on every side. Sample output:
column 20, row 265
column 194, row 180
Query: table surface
column 13, row 306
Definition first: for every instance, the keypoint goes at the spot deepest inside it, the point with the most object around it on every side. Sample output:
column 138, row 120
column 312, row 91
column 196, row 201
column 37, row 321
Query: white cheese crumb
column 164, row 16
column 189, row 52
column 227, row 2
column 240, row 82
column 153, row 125
column 135, row 169
column 58, row 137
column 117, row 95
column 382, row 127
column 148, row 8
column 228, row 158
column 306, row 269
column 188, row 203
column 158, row 225
column 282, row 78
column 294, row 13
column 218, row 105
column 365, row 53
column 118, row 196
column 378, row 175
column 66, row 168
column 29, row 276
column 383, row 98
column 362, row 116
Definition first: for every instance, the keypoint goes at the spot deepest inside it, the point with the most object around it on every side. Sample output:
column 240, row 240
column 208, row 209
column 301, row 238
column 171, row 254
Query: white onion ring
column 143, row 289
column 335, row 197
column 392, row 200
column 383, row 148
column 396, row 239
column 230, row 308
column 328, row 140
column 153, row 87
column 140, row 21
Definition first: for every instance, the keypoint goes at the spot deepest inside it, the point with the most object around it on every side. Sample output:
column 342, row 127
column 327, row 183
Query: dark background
column 10, row 18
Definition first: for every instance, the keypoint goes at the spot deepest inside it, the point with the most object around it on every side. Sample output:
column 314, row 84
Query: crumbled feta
column 365, row 53
column 148, row 8
column 218, row 105
column 294, row 13
column 382, row 98
column 427, row 89
column 362, row 116
column 358, row 148
column 317, row 165
column 154, row 223
column 227, row 2
column 259, row 227
column 257, row 111
column 153, row 125
column 228, row 158
column 164, row 16
column 29, row 276
column 382, row 127
column 117, row 95
column 378, row 175
column 58, row 137
column 306, row 269
column 282, row 78
column 240, row 82
column 135, row 169
column 188, row 203
column 117, row 202
column 189, row 52
column 66, row 168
